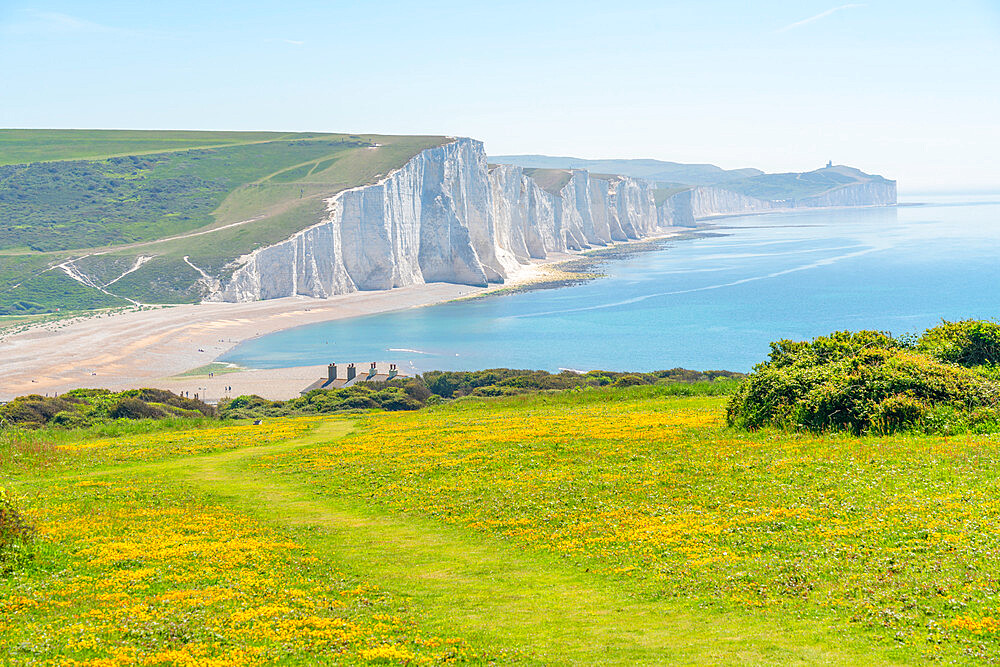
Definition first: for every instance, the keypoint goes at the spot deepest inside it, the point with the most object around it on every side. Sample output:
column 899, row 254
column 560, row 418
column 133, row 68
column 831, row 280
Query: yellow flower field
column 899, row 536
column 92, row 451
column 150, row 576
column 892, row 541
column 155, row 446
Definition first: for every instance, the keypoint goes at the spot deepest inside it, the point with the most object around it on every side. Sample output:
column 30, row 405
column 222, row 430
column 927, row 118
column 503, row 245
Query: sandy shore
column 146, row 348
column 151, row 348
column 273, row 383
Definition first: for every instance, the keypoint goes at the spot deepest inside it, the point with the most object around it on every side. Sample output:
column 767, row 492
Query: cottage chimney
column 392, row 371
column 351, row 371
column 331, row 372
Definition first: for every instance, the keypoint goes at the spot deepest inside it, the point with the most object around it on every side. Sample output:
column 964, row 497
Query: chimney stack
column 351, row 371
column 331, row 372
column 392, row 371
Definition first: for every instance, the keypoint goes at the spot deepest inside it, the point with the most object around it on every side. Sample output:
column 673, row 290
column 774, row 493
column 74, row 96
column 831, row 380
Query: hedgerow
column 87, row 407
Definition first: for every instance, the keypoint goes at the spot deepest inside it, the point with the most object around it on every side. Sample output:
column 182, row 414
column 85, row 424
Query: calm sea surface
column 710, row 303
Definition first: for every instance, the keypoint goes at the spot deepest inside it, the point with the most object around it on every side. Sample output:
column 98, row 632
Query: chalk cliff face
column 431, row 220
column 445, row 216
column 707, row 201
column 871, row 193
column 676, row 209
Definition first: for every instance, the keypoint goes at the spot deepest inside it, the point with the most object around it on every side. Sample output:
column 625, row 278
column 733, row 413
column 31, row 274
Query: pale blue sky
column 908, row 89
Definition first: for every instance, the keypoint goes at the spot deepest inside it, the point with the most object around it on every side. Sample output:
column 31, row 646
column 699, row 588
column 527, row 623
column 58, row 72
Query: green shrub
column 68, row 419
column 133, row 408
column 967, row 343
column 864, row 382
column 86, row 407
column 629, row 380
column 34, row 410
column 16, row 534
column 453, row 384
column 436, row 386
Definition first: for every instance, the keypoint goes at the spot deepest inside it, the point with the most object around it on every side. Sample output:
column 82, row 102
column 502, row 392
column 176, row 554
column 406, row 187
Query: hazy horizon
column 905, row 90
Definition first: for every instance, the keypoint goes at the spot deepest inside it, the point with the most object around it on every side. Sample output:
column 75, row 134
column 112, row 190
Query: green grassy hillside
column 606, row 526
column 129, row 206
column 26, row 146
column 550, row 180
column 797, row 186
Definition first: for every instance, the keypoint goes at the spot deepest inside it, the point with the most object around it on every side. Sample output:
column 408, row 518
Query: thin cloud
column 293, row 42
column 61, row 21
column 821, row 15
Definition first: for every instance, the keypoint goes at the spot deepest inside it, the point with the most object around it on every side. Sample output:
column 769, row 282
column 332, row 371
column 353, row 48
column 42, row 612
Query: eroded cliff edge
column 448, row 216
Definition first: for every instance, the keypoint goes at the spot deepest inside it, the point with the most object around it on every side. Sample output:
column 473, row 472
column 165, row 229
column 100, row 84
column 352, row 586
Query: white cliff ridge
column 445, row 216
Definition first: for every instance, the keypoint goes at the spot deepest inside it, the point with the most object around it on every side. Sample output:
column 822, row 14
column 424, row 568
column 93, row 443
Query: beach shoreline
column 153, row 347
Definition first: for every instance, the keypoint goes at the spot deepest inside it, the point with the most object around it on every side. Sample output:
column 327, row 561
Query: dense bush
column 435, row 386
column 967, row 343
column 507, row 381
column 864, row 382
column 402, row 394
column 86, row 407
column 16, row 534
column 133, row 408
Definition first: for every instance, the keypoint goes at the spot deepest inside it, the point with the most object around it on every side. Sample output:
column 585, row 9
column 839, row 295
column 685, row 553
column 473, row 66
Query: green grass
column 661, row 195
column 550, row 180
column 82, row 204
column 620, row 526
column 24, row 146
column 795, row 185
column 216, row 367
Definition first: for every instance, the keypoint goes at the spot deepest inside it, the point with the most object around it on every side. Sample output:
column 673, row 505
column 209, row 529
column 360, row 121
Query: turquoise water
column 709, row 303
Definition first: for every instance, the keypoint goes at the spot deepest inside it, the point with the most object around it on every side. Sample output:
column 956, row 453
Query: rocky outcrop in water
column 446, row 216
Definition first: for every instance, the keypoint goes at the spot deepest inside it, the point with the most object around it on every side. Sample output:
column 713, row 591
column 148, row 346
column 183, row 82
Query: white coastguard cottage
column 336, row 379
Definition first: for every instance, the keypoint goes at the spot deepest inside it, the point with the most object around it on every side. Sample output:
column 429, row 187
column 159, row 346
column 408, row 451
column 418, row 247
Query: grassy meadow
column 602, row 526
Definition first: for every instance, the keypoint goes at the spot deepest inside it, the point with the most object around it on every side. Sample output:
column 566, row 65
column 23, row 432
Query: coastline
column 159, row 346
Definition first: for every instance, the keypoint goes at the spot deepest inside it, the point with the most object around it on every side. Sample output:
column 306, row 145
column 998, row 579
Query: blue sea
column 709, row 303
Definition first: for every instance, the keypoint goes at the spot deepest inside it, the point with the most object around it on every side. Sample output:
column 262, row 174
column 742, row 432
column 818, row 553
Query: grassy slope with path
column 505, row 598
column 497, row 595
column 106, row 198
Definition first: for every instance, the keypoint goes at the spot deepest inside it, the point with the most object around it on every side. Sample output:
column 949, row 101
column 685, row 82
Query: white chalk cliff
column 446, row 216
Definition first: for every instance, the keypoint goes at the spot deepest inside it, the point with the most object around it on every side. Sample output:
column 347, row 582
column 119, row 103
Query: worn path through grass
column 505, row 599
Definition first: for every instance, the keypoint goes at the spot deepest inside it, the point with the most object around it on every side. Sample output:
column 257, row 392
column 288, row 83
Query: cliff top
column 652, row 170
column 550, row 180
column 673, row 177
column 798, row 185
